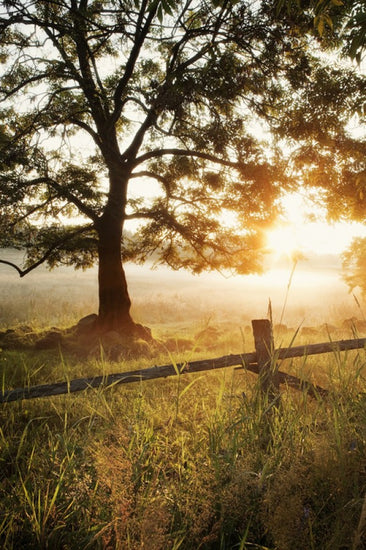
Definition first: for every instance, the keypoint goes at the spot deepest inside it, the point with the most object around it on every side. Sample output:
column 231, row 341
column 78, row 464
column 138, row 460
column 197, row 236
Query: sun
column 283, row 240
column 304, row 230
column 309, row 238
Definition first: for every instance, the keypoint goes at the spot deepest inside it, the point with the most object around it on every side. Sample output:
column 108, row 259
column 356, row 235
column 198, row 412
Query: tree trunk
column 114, row 300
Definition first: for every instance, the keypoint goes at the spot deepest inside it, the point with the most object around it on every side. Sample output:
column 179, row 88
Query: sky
column 313, row 288
column 298, row 233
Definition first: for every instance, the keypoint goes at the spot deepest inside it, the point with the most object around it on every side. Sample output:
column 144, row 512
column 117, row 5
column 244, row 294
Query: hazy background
column 160, row 296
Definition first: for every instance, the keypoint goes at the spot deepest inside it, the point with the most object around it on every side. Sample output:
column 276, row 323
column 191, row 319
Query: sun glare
column 283, row 241
column 297, row 234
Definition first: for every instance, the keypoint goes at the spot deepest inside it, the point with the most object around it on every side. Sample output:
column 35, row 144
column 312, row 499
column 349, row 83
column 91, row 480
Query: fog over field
column 316, row 295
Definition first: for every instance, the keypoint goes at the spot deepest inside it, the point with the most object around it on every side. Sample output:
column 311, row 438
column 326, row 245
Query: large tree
column 143, row 110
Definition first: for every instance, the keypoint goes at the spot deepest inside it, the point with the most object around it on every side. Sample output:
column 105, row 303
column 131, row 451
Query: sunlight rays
column 299, row 233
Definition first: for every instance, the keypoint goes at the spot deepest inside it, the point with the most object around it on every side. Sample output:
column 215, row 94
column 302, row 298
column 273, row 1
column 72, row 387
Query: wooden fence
column 264, row 361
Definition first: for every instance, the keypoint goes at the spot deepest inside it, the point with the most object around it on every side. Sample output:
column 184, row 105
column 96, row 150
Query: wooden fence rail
column 263, row 362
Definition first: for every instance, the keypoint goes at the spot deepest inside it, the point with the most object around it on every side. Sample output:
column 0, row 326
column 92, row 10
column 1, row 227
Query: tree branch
column 20, row 271
column 89, row 212
column 23, row 84
column 139, row 39
column 149, row 174
column 171, row 74
column 88, row 129
column 187, row 153
column 87, row 81
column 140, row 216
column 133, row 149
column 31, row 211
column 23, row 272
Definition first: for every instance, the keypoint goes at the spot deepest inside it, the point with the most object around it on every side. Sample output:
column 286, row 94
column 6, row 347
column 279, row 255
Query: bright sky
column 313, row 288
column 297, row 233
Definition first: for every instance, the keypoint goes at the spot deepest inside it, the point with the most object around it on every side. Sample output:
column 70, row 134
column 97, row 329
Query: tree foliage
column 354, row 265
column 174, row 84
column 326, row 124
column 149, row 111
column 338, row 23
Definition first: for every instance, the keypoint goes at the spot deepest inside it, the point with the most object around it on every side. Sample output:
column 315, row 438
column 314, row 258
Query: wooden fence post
column 264, row 347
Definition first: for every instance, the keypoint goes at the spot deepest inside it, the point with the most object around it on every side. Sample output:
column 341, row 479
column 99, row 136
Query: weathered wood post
column 264, row 347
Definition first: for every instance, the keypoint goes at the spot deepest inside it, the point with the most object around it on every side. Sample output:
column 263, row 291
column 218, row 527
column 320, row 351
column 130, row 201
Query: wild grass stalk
column 360, row 534
column 40, row 505
column 295, row 260
column 179, row 369
column 358, row 303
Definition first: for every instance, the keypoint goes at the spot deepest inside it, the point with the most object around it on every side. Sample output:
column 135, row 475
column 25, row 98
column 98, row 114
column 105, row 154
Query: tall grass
column 191, row 462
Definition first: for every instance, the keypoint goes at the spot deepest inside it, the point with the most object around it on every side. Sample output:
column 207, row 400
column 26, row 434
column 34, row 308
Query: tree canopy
column 339, row 23
column 146, row 111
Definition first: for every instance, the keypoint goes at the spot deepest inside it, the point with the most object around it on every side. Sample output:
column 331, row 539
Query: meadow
column 190, row 462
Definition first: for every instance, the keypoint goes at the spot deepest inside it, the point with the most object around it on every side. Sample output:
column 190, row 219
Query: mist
column 315, row 294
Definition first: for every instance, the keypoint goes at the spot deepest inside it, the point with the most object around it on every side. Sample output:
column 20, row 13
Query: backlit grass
column 191, row 462
column 194, row 461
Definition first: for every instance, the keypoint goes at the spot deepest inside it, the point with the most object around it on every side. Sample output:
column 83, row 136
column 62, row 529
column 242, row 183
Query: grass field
column 191, row 462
